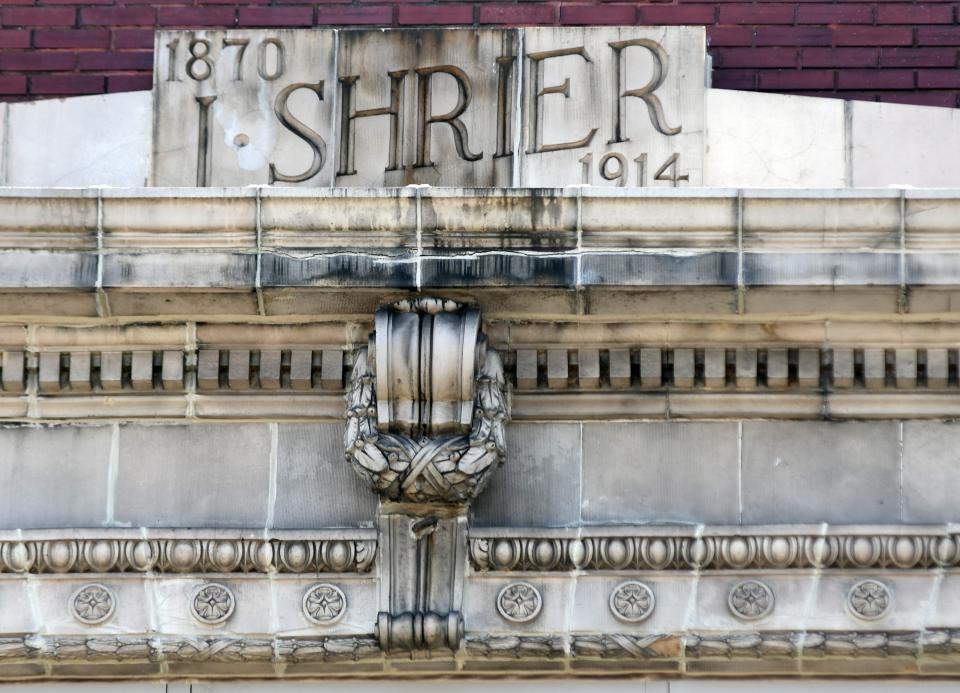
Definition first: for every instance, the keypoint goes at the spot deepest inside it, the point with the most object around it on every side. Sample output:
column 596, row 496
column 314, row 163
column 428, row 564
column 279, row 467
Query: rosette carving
column 426, row 405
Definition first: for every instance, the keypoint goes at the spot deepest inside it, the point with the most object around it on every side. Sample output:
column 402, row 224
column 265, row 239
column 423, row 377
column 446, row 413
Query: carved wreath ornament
column 426, row 408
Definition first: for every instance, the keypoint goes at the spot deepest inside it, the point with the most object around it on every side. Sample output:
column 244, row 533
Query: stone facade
column 298, row 431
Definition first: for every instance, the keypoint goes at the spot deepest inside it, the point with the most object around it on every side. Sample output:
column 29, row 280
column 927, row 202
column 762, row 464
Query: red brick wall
column 888, row 51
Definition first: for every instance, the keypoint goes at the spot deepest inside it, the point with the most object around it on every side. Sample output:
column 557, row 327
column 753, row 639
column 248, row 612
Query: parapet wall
column 903, row 52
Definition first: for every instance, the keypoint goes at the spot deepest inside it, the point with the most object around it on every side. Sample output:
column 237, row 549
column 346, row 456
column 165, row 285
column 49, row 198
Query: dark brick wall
column 888, row 51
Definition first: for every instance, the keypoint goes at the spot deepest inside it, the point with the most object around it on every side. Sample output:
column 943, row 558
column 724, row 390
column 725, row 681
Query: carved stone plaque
column 443, row 100
column 617, row 106
column 243, row 107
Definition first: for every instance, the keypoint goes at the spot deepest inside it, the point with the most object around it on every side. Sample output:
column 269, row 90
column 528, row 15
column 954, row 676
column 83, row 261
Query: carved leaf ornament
column 426, row 407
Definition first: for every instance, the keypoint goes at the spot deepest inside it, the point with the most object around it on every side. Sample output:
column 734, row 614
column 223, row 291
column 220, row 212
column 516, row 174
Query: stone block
column 51, row 218
column 171, row 370
column 238, row 369
column 620, row 368
column 930, row 219
column 141, row 370
column 906, row 368
column 676, row 269
column 243, row 107
column 847, row 220
column 54, row 476
column 658, row 218
column 557, row 369
column 498, row 269
column 746, row 366
column 808, row 367
column 526, row 369
column 48, row 371
column 843, row 367
column 778, row 370
column 301, row 369
column 932, row 268
column 316, row 487
column 793, row 592
column 931, row 471
column 756, row 140
column 22, row 619
column 270, row 369
column 171, row 606
column 480, row 599
column 583, row 115
column 361, row 611
column 179, row 270
column 804, row 300
column 337, row 218
column 202, row 475
column 588, row 368
column 448, row 124
column 684, row 368
column 43, row 269
column 651, row 367
column 660, row 472
column 918, row 160
column 820, row 472
column 331, row 369
column 88, row 140
column 591, row 605
column 540, row 483
column 306, row 269
column 208, row 369
column 159, row 218
column 937, row 368
column 111, row 370
column 615, row 302
column 715, row 367
column 131, row 611
column 874, row 368
column 80, row 371
column 820, row 269
column 514, row 219
column 12, row 364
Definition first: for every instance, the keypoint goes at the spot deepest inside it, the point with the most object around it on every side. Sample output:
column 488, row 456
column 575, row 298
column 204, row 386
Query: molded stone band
column 715, row 549
column 446, row 238
column 113, row 552
column 537, row 550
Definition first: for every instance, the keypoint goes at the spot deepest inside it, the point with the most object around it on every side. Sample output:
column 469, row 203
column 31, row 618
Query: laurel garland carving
column 738, row 552
column 807, row 645
column 188, row 649
column 184, row 555
column 450, row 468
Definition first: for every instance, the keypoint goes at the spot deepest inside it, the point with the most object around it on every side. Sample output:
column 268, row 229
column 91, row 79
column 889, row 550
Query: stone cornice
column 263, row 251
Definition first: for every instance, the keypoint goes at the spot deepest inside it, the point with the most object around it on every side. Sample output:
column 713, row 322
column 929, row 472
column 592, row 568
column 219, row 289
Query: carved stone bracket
column 426, row 407
column 426, row 411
